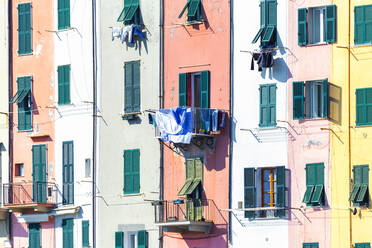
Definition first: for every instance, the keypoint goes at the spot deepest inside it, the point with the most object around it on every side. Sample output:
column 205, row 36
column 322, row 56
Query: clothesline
column 155, row 110
column 261, row 50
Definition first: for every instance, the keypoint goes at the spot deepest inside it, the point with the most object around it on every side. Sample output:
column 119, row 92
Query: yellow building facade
column 351, row 125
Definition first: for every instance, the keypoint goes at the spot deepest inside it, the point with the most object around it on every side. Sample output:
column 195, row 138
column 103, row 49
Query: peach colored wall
column 190, row 49
column 40, row 66
column 310, row 144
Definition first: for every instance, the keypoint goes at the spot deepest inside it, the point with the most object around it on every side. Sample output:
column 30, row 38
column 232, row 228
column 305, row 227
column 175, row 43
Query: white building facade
column 259, row 179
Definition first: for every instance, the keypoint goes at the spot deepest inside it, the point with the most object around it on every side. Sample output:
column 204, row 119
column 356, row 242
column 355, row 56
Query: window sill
column 25, row 130
column 65, row 104
column 316, row 44
column 132, row 194
column 25, row 54
column 363, row 125
column 194, row 23
column 64, row 29
column 268, row 126
column 130, row 116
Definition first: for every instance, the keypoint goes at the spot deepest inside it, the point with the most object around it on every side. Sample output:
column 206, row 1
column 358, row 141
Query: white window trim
column 312, row 24
column 127, row 237
column 309, row 99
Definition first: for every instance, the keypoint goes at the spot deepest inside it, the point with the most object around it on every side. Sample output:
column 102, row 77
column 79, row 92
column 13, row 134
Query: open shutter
column 325, row 97
column 136, row 87
column 281, row 190
column 298, row 100
column 184, row 9
column 119, row 237
column 302, row 29
column 182, row 89
column 136, row 170
column 249, row 191
column 330, row 25
column 141, row 239
column 204, row 89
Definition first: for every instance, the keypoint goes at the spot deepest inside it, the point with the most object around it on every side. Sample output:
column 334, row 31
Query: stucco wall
column 118, row 212
column 269, row 149
column 311, row 137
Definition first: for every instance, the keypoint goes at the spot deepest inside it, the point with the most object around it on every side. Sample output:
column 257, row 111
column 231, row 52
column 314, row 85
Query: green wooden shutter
column 361, row 108
column 320, row 173
column 272, row 105
column 281, row 190
column 68, row 233
column 263, row 13
column 63, row 14
column 68, row 172
column 182, row 89
column 39, row 177
column 136, row 105
column 330, row 25
column 368, row 23
column 204, row 89
column 67, row 70
column 64, row 84
column 359, row 25
column 264, row 100
column 61, row 75
column 131, row 171
column 271, row 15
column 21, row 110
column 34, row 235
column 85, row 233
column 249, row 191
column 136, row 170
column 24, row 29
column 298, row 100
column 368, row 108
column 141, row 239
column 365, row 174
column 119, row 239
column 325, row 97
column 302, row 29
column 198, row 169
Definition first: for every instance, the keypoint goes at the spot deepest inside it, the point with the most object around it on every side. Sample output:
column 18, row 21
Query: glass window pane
column 266, row 186
column 267, row 175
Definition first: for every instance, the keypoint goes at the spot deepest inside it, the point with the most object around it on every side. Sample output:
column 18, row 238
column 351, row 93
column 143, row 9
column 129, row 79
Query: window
column 85, row 233
column 131, row 171
column 68, row 172
column 363, row 24
column 194, row 177
column 130, row 13
column 268, row 23
column 68, row 233
column 24, row 101
column 265, row 187
column 194, row 11
column 64, row 84
column 314, row 195
column 359, row 194
column 119, row 236
column 34, row 235
column 310, row 245
column 19, row 170
column 364, row 106
column 267, row 105
column 24, row 29
column 63, row 14
column 194, row 89
column 362, row 245
column 310, row 99
column 317, row 25
column 132, row 87
column 87, row 167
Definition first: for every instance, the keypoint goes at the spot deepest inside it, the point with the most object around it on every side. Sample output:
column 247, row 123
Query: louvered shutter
column 330, row 25
column 249, row 191
column 325, row 97
column 302, row 29
column 298, row 100
column 204, row 89
column 182, row 90
column 281, row 190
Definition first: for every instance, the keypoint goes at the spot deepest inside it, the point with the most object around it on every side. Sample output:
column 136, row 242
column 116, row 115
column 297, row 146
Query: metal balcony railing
column 205, row 122
column 35, row 193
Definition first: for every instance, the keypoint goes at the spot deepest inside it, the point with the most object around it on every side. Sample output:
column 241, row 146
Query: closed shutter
column 68, row 172
column 204, row 89
column 119, row 238
column 34, row 235
column 271, row 12
column 132, row 91
column 141, row 239
column 85, row 233
column 63, row 14
column 24, row 28
column 298, row 100
column 39, row 177
column 131, row 171
column 325, row 97
column 64, row 84
column 361, row 106
column 182, row 89
column 368, row 24
column 267, row 105
column 249, row 191
column 359, row 25
column 67, row 70
column 68, row 233
column 281, row 190
column 330, row 25
column 302, row 29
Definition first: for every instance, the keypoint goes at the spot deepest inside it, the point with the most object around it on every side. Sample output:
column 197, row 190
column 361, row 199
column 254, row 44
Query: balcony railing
column 205, row 122
column 180, row 215
column 30, row 194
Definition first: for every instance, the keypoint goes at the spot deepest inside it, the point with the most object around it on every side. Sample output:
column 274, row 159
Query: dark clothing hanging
column 255, row 57
column 265, row 60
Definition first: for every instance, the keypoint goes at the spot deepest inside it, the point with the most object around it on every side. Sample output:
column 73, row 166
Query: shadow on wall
column 280, row 70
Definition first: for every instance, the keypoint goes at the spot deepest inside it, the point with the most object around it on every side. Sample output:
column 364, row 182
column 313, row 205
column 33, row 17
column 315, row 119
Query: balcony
column 185, row 215
column 180, row 125
column 39, row 196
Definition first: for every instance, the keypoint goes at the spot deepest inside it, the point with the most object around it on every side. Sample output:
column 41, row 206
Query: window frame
column 18, row 167
column 312, row 25
column 363, row 23
column 310, row 100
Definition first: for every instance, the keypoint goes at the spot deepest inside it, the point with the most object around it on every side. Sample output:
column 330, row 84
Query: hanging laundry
column 222, row 119
column 215, row 120
column 255, row 57
column 127, row 33
column 205, row 123
column 151, row 119
column 175, row 124
column 136, row 31
column 265, row 60
column 117, row 32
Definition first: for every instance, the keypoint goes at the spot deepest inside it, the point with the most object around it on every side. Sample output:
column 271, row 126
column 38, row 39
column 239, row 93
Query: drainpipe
column 349, row 113
column 94, row 52
column 161, row 105
column 10, row 107
column 231, row 114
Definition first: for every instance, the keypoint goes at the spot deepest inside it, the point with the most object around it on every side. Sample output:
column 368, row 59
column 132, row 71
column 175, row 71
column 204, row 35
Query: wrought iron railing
column 204, row 121
column 185, row 210
column 30, row 193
